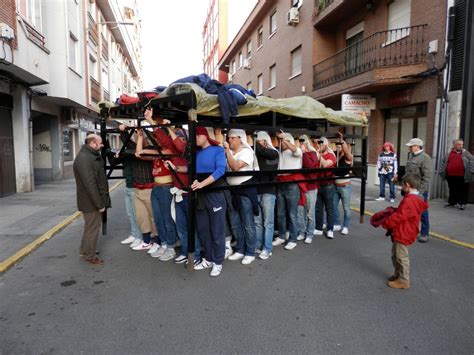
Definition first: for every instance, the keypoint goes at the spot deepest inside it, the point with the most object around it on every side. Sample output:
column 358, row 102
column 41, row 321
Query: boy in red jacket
column 404, row 224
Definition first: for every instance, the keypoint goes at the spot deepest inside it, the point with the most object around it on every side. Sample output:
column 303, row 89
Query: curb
column 433, row 234
column 12, row 260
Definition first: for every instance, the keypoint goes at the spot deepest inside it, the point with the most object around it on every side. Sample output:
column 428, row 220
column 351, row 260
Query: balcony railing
column 402, row 46
column 322, row 4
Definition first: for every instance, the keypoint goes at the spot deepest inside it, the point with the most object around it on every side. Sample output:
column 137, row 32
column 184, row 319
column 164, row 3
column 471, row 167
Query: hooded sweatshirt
column 405, row 221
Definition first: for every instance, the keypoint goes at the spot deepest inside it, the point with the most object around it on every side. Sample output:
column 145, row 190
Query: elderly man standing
column 419, row 163
column 456, row 168
column 92, row 194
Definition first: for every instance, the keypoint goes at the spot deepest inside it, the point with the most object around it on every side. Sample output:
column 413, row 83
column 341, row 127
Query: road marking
column 433, row 234
column 5, row 265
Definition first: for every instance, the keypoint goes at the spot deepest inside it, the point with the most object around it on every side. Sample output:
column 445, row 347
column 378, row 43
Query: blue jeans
column 287, row 204
column 391, row 184
column 425, row 219
column 343, row 193
column 325, row 200
column 244, row 227
column 307, row 216
column 182, row 228
column 264, row 222
column 129, row 195
column 161, row 204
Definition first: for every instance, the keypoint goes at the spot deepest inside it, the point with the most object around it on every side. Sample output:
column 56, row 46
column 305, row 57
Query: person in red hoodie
column 404, row 224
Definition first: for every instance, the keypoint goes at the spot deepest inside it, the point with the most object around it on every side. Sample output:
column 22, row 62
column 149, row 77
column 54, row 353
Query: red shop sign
column 402, row 97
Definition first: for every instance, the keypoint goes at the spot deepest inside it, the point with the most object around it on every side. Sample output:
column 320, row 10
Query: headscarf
column 262, row 135
column 325, row 141
column 289, row 138
column 243, row 138
column 308, row 143
column 390, row 145
column 202, row 131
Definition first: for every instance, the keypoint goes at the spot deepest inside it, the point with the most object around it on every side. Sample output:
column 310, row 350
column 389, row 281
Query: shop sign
column 399, row 98
column 358, row 104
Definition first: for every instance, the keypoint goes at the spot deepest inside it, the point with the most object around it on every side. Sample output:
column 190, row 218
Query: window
column 273, row 78
column 296, row 3
column 260, row 84
column 260, row 37
column 249, row 86
column 34, row 13
column 354, row 53
column 73, row 52
column 93, row 68
column 232, row 67
column 296, row 62
column 249, row 49
column 399, row 12
column 273, row 23
column 105, row 79
column 241, row 60
column 68, row 144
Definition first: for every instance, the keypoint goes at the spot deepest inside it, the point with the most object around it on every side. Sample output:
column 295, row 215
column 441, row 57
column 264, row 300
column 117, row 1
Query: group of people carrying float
column 157, row 201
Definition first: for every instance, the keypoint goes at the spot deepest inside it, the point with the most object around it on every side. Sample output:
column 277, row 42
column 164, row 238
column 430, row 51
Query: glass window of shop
column 68, row 144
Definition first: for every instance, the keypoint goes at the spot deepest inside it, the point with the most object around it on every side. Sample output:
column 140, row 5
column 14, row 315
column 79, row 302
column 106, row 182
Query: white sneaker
column 128, row 240
column 168, row 254
column 380, row 199
column 300, row 237
column 265, row 254
column 345, row 231
column 392, row 200
column 290, row 246
column 216, row 270
column 308, row 240
column 228, row 251
column 154, row 248
column 236, row 256
column 181, row 259
column 330, row 235
column 204, row 264
column 161, row 250
column 142, row 246
column 336, row 228
column 258, row 251
column 247, row 260
column 317, row 232
column 278, row 241
column 136, row 242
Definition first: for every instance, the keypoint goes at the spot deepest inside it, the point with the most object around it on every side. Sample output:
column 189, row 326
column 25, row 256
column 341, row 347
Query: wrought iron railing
column 402, row 46
column 322, row 4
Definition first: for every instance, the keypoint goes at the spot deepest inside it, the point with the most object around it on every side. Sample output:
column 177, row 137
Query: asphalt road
column 328, row 298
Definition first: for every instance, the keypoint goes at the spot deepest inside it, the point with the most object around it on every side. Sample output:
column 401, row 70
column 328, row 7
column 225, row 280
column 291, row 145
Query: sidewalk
column 26, row 217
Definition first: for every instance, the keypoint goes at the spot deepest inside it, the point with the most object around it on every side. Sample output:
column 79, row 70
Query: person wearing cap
column 420, row 163
column 457, row 168
column 240, row 157
column 306, row 213
column 211, row 205
column 387, row 170
column 326, row 191
column 268, row 157
column 288, row 194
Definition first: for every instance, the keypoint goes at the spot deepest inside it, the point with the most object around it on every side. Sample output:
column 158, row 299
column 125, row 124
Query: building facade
column 61, row 59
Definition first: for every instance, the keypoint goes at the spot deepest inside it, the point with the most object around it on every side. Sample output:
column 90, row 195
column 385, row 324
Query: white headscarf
column 326, row 143
column 289, row 138
column 243, row 138
column 308, row 143
column 262, row 135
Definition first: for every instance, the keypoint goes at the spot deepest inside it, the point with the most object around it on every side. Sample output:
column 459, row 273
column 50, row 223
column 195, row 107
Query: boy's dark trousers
column 401, row 262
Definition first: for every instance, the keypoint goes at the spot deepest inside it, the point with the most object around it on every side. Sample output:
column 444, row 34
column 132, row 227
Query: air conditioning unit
column 247, row 63
column 293, row 16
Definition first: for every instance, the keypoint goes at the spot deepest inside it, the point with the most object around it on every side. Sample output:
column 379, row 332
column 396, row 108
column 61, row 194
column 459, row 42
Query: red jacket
column 405, row 221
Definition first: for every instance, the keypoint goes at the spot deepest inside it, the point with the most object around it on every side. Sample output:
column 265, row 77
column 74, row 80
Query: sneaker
column 392, row 200
column 136, row 242
column 398, row 284
column 290, row 246
column 345, row 231
column 330, row 235
column 128, row 240
column 216, row 270
column 300, row 237
column 181, row 259
column 423, row 238
column 336, row 228
column 380, row 199
column 308, row 240
column 317, row 232
column 448, row 205
column 142, row 246
column 258, row 251
column 228, row 251
column 204, row 264
column 462, row 207
column 278, row 241
column 154, row 248
column 265, row 254
column 168, row 254
column 247, row 259
column 236, row 256
column 159, row 252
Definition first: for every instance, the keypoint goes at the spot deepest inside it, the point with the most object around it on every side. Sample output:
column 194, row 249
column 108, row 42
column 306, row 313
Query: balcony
column 399, row 47
column 330, row 13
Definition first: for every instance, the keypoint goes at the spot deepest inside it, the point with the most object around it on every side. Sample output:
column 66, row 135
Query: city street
column 327, row 297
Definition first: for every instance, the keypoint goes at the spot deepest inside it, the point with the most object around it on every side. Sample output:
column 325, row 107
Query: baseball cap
column 415, row 141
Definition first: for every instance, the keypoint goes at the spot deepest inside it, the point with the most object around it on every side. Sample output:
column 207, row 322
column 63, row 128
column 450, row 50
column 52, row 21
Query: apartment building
column 272, row 52
column 388, row 54
column 59, row 60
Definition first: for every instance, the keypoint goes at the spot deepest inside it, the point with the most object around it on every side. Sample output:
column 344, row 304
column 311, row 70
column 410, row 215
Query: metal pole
column 103, row 135
column 363, row 179
column 192, row 196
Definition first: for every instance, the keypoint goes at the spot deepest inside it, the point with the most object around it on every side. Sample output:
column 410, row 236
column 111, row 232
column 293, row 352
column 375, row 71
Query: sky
column 172, row 36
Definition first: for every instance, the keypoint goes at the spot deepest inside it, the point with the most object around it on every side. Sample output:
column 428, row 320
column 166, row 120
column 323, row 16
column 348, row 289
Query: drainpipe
column 30, row 141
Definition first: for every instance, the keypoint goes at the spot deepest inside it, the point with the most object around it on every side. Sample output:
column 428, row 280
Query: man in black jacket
column 92, row 194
